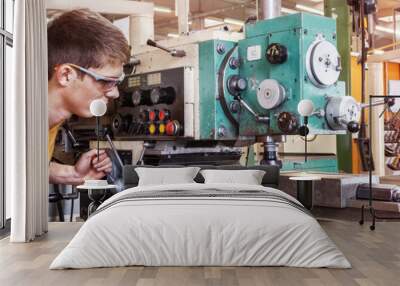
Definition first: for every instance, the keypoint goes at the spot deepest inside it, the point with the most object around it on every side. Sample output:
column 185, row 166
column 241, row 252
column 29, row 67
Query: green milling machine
column 217, row 91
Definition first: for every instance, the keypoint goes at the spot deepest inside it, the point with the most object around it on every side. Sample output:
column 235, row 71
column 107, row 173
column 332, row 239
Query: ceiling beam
column 116, row 7
column 205, row 14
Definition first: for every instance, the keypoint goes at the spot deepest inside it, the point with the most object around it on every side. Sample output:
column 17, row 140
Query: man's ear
column 65, row 75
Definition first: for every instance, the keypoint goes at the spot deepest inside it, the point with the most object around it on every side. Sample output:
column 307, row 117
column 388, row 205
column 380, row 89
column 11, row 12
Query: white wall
column 323, row 144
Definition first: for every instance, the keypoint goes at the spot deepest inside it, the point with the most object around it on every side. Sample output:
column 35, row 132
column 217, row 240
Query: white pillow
column 163, row 176
column 248, row 177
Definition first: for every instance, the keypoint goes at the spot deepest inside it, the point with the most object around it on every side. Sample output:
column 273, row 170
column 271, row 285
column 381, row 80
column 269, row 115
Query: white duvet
column 192, row 231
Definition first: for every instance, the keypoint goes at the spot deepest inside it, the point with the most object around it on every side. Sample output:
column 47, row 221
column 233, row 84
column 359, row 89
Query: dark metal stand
column 370, row 207
column 98, row 135
column 96, row 196
column 305, row 193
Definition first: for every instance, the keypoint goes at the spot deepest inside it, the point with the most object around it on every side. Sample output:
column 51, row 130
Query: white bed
column 241, row 227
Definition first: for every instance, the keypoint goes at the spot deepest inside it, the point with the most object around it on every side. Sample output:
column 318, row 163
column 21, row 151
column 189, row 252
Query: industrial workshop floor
column 375, row 257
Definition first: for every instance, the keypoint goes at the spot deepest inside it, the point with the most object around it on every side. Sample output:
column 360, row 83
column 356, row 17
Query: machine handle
column 172, row 52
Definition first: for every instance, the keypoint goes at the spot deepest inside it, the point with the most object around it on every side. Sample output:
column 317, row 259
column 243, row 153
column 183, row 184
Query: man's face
column 84, row 89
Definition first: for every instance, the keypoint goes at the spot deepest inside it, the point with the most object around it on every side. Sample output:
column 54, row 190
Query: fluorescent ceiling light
column 172, row 35
column 387, row 19
column 210, row 22
column 162, row 9
column 355, row 54
column 386, row 30
column 234, row 21
column 309, row 9
column 378, row 52
column 289, row 11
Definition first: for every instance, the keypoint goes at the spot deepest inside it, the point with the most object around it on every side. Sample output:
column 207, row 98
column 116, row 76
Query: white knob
column 305, row 107
column 98, row 107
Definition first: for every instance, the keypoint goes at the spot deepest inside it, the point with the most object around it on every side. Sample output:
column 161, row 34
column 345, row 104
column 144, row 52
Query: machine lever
column 172, row 52
column 70, row 135
column 264, row 119
column 114, row 151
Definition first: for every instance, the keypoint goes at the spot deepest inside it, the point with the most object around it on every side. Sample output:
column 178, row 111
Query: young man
column 86, row 54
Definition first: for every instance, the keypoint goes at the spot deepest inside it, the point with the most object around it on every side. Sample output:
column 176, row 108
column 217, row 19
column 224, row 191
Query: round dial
column 270, row 94
column 140, row 97
column 136, row 97
column 287, row 122
column 162, row 95
column 340, row 111
column 323, row 63
column 120, row 123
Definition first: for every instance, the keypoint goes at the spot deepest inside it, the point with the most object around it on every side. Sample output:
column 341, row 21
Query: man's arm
column 64, row 174
column 87, row 167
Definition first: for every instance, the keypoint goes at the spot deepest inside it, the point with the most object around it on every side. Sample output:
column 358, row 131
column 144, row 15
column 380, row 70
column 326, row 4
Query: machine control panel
column 150, row 104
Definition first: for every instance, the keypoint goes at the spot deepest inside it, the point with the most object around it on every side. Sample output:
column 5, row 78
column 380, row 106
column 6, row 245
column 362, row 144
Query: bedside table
column 96, row 194
column 305, row 189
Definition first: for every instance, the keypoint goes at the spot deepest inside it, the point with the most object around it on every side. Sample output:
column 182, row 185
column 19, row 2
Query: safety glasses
column 107, row 83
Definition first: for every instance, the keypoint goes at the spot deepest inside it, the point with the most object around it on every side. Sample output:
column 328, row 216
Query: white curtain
column 27, row 124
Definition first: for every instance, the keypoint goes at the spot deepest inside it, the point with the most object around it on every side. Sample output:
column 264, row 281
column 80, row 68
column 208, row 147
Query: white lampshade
column 305, row 107
column 98, row 107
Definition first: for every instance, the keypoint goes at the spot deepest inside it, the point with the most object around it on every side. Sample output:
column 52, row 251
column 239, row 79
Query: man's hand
column 88, row 167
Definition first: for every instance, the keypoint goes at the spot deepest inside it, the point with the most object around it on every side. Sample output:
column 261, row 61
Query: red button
column 170, row 128
column 161, row 115
column 152, row 115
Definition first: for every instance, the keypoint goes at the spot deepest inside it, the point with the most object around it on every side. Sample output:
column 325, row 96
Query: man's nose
column 113, row 93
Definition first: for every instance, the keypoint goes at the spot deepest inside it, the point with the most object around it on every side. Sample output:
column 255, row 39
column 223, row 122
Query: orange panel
column 355, row 79
column 392, row 72
column 356, row 93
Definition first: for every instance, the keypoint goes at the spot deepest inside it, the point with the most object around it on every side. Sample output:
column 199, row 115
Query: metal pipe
column 270, row 9
column 362, row 132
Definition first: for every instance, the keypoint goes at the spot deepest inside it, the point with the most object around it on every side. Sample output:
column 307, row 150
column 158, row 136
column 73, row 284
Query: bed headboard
column 271, row 178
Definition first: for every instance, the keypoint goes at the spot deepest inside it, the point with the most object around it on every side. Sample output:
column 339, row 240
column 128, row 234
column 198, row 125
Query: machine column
column 141, row 28
column 342, row 11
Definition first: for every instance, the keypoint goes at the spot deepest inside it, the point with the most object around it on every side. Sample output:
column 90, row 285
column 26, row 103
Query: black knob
column 353, row 126
column 162, row 95
column 236, row 84
column 276, row 53
column 303, row 130
column 287, row 122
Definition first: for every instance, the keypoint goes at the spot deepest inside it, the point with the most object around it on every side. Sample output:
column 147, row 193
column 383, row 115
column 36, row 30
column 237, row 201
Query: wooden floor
column 375, row 257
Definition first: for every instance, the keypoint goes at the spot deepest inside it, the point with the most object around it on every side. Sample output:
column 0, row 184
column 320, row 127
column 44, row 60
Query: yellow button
column 161, row 128
column 152, row 128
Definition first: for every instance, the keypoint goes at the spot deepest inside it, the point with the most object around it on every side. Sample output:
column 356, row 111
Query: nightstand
column 305, row 189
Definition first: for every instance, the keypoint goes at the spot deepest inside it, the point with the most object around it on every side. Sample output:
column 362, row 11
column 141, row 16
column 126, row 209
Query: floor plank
column 375, row 257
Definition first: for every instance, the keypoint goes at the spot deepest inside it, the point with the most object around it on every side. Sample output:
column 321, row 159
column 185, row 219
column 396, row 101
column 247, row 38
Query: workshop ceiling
column 215, row 11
